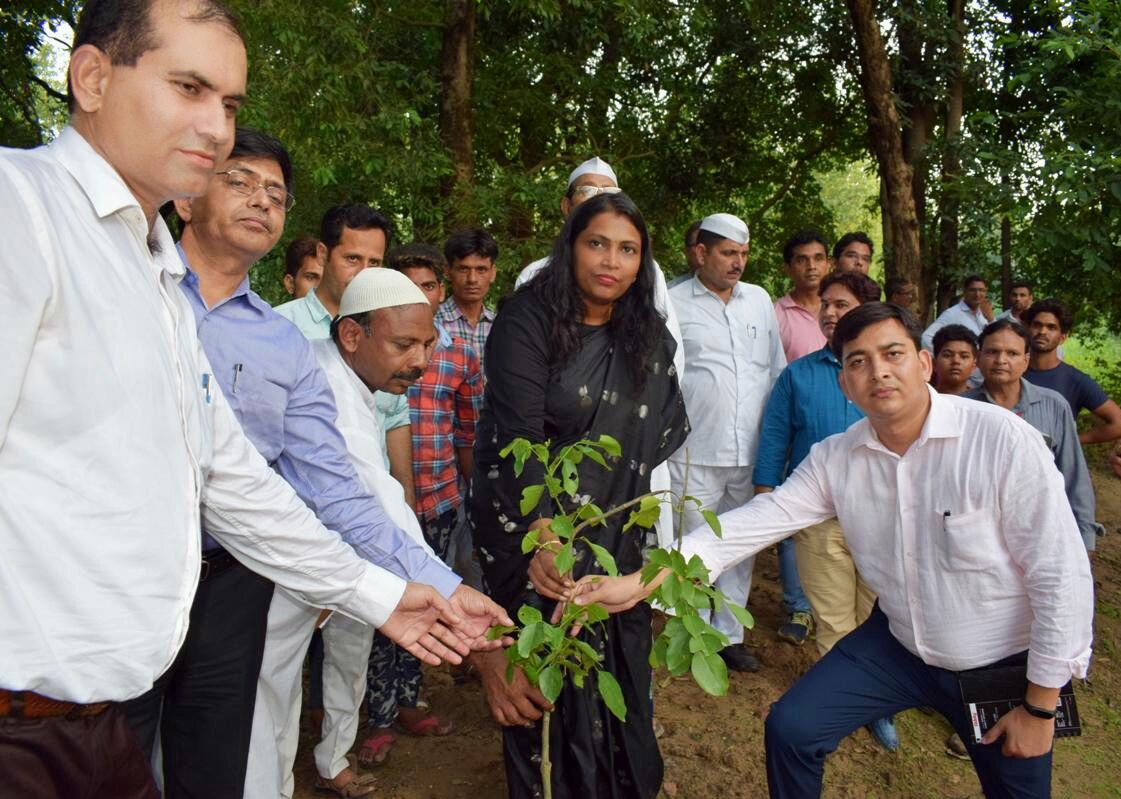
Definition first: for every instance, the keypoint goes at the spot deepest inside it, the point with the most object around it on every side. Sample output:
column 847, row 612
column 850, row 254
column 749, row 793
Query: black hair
column 417, row 256
column 955, row 333
column 1020, row 284
column 473, row 241
column 692, row 233
column 1004, row 324
column 864, row 288
column 1051, row 306
column 971, row 279
column 301, row 247
column 635, row 326
column 855, row 321
column 355, row 216
column 708, row 238
column 847, row 239
column 252, row 143
column 800, row 239
column 123, row 29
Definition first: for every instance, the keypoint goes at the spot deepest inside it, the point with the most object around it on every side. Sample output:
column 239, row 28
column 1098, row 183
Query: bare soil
column 714, row 747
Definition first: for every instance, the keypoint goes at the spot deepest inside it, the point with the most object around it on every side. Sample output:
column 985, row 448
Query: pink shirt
column 798, row 329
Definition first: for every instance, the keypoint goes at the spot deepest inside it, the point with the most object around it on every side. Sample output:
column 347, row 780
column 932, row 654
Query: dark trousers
column 203, row 705
column 60, row 758
column 866, row 676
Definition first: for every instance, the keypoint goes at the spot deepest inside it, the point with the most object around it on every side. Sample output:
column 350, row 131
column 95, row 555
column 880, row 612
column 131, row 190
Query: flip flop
column 430, row 725
column 375, row 749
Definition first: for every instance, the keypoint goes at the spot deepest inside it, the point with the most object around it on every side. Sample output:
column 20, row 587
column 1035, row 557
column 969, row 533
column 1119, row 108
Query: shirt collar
column 315, row 307
column 453, row 311
column 102, row 184
column 941, row 422
column 243, row 291
column 825, row 355
column 1029, row 395
column 700, row 288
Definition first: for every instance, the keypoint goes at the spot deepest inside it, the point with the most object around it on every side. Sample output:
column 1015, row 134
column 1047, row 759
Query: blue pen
column 206, row 386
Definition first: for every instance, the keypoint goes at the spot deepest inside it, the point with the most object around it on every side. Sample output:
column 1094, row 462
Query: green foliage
column 548, row 653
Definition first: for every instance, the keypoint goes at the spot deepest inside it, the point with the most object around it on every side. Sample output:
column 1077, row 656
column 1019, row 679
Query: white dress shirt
column 959, row 314
column 659, row 477
column 967, row 538
column 365, row 440
column 733, row 356
column 116, row 444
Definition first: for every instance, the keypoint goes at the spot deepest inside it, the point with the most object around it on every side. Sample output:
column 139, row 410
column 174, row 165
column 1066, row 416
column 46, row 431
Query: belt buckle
column 204, row 570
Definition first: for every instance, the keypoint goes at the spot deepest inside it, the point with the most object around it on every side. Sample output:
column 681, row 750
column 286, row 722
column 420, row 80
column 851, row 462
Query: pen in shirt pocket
column 945, row 516
column 237, row 373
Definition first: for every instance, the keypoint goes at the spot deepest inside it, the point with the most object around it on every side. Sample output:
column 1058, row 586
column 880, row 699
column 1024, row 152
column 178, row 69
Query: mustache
column 410, row 375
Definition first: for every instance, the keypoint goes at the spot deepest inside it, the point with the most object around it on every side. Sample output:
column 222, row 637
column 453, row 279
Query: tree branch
column 51, row 91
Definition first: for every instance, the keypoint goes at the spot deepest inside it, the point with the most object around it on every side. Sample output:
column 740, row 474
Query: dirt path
column 714, row 747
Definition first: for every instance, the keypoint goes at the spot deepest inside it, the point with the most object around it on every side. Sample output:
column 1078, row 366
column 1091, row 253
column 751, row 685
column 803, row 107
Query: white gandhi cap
column 727, row 226
column 379, row 287
column 593, row 166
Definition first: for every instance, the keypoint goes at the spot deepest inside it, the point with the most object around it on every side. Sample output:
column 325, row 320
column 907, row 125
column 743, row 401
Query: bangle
column 1038, row 712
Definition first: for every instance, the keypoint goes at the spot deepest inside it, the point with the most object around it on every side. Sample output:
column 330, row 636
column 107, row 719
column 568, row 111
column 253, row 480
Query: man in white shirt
column 733, row 355
column 591, row 178
column 974, row 311
column 1019, row 300
column 973, row 565
column 116, row 443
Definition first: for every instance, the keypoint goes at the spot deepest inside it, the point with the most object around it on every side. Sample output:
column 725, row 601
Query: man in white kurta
column 733, row 355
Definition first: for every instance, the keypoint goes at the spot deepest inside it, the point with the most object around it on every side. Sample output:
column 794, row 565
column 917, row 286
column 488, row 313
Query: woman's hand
column 614, row 594
column 543, row 573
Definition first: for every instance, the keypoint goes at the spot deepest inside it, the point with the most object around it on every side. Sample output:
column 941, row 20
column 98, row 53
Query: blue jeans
column 792, row 597
column 866, row 676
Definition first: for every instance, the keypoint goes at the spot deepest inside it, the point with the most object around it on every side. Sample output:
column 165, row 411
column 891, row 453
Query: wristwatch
column 1038, row 712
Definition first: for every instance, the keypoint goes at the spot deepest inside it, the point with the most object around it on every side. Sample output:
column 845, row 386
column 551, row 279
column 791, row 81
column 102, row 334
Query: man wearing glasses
column 203, row 704
column 853, row 253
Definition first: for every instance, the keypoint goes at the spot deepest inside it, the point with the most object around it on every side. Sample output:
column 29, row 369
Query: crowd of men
column 199, row 488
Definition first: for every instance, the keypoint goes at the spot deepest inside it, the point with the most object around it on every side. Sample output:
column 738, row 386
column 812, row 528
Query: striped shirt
column 444, row 406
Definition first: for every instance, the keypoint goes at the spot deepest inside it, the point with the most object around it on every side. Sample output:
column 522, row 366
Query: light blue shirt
column 280, row 396
column 313, row 320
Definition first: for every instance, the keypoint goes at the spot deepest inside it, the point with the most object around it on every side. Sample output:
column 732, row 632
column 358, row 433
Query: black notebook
column 991, row 692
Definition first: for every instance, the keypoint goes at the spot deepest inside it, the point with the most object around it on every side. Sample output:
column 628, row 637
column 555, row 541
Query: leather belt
column 30, row 705
column 215, row 561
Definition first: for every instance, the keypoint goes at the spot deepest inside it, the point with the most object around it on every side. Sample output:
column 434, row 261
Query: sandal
column 351, row 789
column 375, row 749
column 429, row 726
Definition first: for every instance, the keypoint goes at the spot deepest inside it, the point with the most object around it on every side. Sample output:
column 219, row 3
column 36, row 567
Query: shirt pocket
column 971, row 541
column 261, row 407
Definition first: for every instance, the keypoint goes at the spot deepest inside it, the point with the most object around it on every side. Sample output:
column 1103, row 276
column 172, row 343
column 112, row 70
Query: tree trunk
column 456, row 73
column 948, row 262
column 917, row 103
column 904, row 260
column 1008, row 106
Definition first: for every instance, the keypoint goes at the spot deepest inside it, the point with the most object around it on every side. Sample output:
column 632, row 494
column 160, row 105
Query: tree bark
column 904, row 259
column 456, row 75
column 948, row 261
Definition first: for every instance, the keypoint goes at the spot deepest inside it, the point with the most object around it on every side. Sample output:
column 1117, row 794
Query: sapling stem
column 546, row 763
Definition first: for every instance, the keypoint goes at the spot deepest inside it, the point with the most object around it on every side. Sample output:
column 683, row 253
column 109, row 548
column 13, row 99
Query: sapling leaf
column 696, row 569
column 554, row 635
column 527, row 614
column 595, row 456
column 499, row 630
column 531, row 637
column 565, row 559
column 531, row 495
column 541, row 451
column 710, row 672
column 694, row 624
column 669, row 591
column 562, row 527
column 609, row 445
column 604, row 559
column 659, row 558
column 595, row 613
column 553, row 484
column 743, row 616
column 612, row 694
column 570, row 477
column 550, row 681
column 530, row 540
column 677, row 654
column 658, row 652
column 713, row 522
column 577, row 678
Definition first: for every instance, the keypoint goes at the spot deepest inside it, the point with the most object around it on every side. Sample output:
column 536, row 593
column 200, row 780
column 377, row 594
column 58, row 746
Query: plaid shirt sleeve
column 468, row 399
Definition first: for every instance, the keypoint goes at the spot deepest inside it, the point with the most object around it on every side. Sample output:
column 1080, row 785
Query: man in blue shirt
column 281, row 398
column 806, row 406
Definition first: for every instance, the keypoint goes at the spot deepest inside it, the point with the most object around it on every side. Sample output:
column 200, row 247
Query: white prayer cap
column 727, row 226
column 379, row 287
column 593, row 166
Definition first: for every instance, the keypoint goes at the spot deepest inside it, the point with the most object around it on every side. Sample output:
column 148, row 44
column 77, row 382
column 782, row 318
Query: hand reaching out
column 479, row 613
column 423, row 624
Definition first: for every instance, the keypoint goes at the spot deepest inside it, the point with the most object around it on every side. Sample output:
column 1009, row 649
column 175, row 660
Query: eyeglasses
column 588, row 192
column 245, row 183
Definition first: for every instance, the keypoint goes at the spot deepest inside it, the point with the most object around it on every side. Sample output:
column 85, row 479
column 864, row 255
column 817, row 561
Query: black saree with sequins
column 594, row 755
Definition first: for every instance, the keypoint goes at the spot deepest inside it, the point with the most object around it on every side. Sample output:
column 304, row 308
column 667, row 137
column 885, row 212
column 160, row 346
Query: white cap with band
column 593, row 166
column 379, row 287
column 727, row 226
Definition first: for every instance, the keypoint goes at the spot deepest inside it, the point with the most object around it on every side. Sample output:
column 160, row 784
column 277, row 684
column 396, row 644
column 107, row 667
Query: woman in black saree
column 577, row 352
